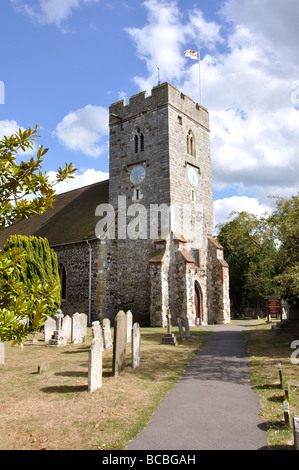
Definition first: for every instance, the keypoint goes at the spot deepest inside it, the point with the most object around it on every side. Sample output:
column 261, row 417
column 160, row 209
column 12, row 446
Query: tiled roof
column 71, row 219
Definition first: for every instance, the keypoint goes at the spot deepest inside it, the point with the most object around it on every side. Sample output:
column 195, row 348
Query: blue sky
column 63, row 62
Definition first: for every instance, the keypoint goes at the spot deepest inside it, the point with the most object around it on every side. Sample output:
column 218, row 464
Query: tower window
column 138, row 141
column 190, row 143
column 195, row 256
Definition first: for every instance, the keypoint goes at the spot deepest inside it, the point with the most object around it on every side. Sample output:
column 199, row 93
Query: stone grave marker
column 58, row 339
column 49, row 328
column 95, row 365
column 169, row 338
column 107, row 334
column 119, row 343
column 76, row 328
column 43, row 367
column 136, row 345
column 67, row 327
column 129, row 325
column 83, row 319
column 181, row 329
column 97, row 332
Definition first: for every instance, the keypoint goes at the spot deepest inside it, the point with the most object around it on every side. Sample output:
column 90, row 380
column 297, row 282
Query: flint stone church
column 143, row 240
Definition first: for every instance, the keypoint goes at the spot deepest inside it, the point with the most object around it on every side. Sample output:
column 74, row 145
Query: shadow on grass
column 65, row 389
column 72, row 374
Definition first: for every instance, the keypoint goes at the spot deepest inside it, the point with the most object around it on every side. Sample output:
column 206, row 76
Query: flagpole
column 200, row 84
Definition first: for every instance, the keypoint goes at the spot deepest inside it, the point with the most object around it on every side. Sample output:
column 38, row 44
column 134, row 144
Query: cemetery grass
column 55, row 411
column 267, row 349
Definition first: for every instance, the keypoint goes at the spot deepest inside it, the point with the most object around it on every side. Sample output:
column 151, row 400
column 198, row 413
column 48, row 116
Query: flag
column 191, row 54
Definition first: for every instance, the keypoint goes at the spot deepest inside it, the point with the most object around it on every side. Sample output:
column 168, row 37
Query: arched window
column 139, row 141
column 191, row 143
column 62, row 275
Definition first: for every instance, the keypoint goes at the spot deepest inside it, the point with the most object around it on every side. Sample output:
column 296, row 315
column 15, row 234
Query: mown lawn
column 267, row 349
column 55, row 411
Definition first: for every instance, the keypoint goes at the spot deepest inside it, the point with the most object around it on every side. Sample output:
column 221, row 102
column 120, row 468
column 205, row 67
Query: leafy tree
column 20, row 180
column 24, row 191
column 40, row 263
column 285, row 225
column 263, row 254
column 249, row 249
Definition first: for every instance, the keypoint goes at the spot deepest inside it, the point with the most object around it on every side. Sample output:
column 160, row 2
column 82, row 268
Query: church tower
column 160, row 252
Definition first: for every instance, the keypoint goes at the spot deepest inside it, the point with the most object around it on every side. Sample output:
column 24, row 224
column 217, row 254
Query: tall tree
column 249, row 249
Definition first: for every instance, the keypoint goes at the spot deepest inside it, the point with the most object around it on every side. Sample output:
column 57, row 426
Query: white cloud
column 50, row 11
column 8, row 128
column 160, row 43
column 247, row 85
column 85, row 130
column 83, row 177
column 223, row 208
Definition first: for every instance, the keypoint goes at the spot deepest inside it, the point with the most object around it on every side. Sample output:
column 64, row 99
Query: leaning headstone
column 129, row 325
column 95, row 366
column 136, row 345
column 67, row 327
column 83, row 318
column 119, row 343
column 107, row 334
column 181, row 329
column 49, row 328
column 2, row 353
column 76, row 328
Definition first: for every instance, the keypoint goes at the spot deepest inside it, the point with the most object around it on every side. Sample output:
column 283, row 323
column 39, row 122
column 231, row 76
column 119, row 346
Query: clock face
column 192, row 175
column 137, row 175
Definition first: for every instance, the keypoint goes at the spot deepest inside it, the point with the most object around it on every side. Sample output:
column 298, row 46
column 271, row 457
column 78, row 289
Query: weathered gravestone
column 43, row 367
column 83, row 319
column 49, row 328
column 67, row 327
column 95, row 366
column 136, row 345
column 129, row 325
column 119, row 343
column 107, row 334
column 2, row 353
column 76, row 328
column 181, row 329
column 97, row 332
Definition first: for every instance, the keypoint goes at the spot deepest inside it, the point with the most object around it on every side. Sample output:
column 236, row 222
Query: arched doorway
column 197, row 304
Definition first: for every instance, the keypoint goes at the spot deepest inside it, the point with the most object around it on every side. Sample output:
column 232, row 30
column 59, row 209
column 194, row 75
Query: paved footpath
column 213, row 406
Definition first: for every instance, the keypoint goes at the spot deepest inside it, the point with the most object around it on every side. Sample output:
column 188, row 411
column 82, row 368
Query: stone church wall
column 75, row 260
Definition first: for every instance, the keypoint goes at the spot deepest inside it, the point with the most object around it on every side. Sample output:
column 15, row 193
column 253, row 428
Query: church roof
column 71, row 219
